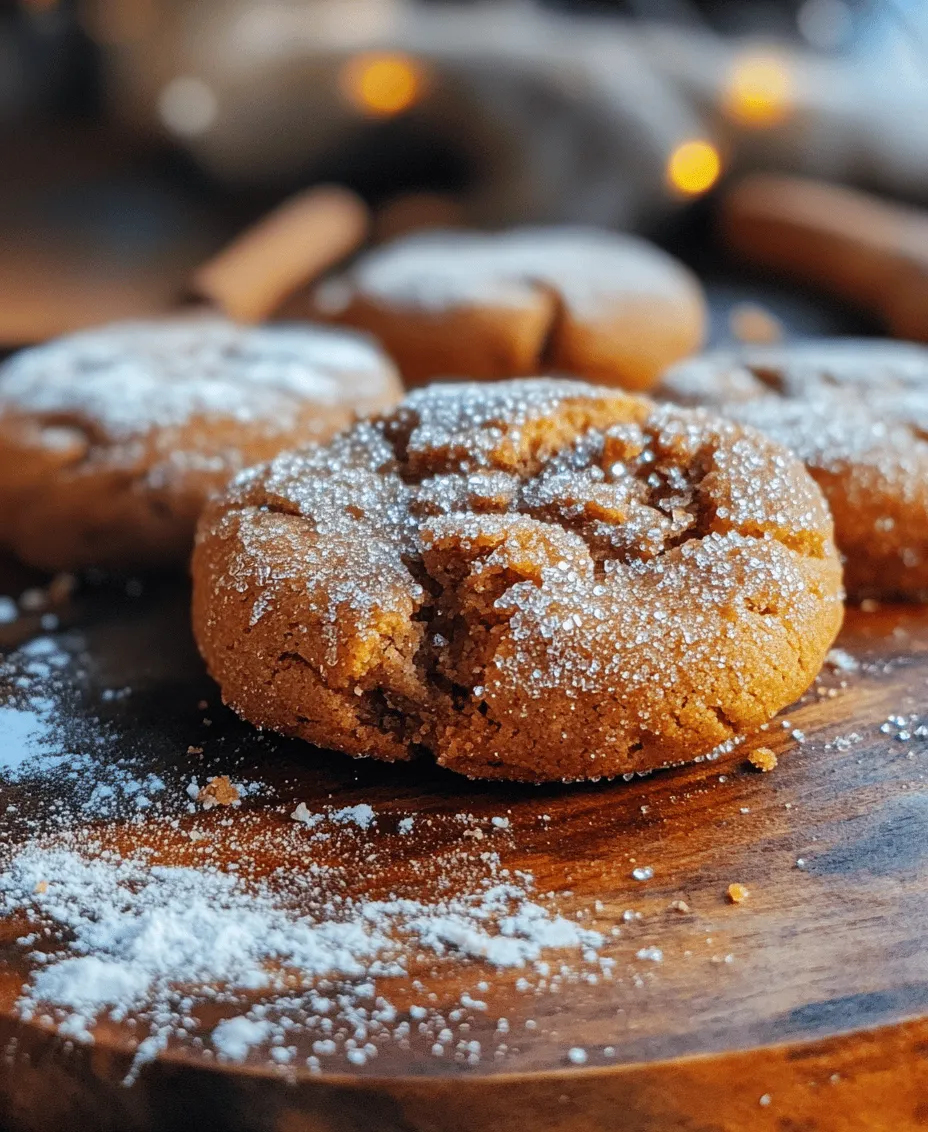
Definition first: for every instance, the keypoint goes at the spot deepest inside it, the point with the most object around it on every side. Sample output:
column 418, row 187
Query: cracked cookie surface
column 534, row 580
column 856, row 413
column 112, row 439
column 595, row 304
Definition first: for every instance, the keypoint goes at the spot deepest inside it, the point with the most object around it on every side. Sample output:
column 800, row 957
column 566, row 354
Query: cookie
column 856, row 413
column 112, row 439
column 532, row 580
column 610, row 308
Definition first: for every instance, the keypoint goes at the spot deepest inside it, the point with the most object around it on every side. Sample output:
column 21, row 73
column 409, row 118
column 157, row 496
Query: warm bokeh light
column 759, row 90
column 383, row 85
column 693, row 167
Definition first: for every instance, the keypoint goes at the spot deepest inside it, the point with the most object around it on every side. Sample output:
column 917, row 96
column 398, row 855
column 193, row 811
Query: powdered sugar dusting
column 830, row 402
column 129, row 378
column 405, row 930
column 124, row 937
column 438, row 270
column 361, row 815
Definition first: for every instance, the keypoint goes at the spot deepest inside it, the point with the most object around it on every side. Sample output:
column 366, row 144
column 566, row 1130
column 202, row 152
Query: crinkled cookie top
column 833, row 403
column 533, row 579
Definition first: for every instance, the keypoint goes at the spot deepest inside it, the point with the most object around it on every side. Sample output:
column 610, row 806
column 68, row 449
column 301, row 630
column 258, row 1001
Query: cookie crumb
column 218, row 791
column 680, row 906
column 738, row 893
column 194, row 750
column 763, row 759
column 40, row 887
column 754, row 324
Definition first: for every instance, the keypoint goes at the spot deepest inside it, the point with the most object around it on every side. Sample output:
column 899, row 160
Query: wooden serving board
column 804, row 1009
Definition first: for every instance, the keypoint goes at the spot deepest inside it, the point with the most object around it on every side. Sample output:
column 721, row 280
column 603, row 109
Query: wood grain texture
column 822, row 1007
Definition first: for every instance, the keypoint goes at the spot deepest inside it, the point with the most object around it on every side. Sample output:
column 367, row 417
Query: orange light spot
column 693, row 167
column 383, row 85
column 759, row 91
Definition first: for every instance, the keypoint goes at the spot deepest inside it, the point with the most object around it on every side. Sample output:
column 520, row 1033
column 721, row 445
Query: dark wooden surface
column 822, row 1006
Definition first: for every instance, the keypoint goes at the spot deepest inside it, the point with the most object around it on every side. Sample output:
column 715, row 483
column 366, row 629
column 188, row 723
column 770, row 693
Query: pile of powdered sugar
column 126, row 937
column 300, row 963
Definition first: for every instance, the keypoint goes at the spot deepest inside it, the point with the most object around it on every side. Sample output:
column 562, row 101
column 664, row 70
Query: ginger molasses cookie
column 607, row 307
column 856, row 413
column 111, row 439
column 532, row 580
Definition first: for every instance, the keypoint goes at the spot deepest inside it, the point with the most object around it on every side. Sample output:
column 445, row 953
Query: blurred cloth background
column 141, row 134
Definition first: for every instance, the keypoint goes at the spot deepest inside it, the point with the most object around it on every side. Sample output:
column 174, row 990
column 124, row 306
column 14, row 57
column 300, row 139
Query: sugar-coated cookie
column 607, row 307
column 112, row 439
column 856, row 413
column 533, row 580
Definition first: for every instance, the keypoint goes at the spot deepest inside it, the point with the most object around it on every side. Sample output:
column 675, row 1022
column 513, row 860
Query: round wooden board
column 803, row 1009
